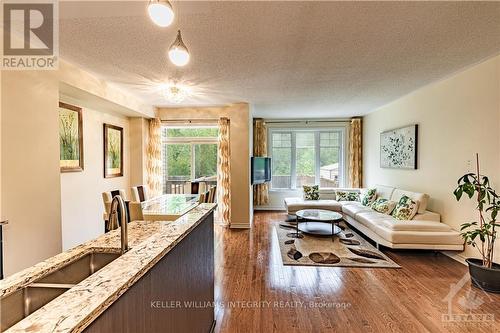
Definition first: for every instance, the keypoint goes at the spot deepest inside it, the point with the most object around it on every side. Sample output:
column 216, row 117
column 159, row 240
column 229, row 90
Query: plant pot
column 488, row 279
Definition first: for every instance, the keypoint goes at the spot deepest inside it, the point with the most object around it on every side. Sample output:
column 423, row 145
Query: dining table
column 168, row 207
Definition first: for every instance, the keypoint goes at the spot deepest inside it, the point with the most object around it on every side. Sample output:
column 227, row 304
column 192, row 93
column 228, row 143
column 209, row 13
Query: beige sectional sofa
column 424, row 231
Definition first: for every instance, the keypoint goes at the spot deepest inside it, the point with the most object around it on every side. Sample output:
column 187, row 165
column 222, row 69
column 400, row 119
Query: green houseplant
column 481, row 234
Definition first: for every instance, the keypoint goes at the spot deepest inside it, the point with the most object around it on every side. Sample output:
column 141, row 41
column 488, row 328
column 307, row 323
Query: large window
column 188, row 153
column 306, row 157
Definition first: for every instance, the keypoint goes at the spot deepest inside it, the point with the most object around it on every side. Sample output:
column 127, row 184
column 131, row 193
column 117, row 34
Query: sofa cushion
column 368, row 196
column 384, row 192
column 421, row 198
column 405, row 209
column 383, row 206
column 352, row 208
column 427, row 216
column 371, row 218
column 311, row 192
column 347, row 196
column 295, row 204
column 407, row 225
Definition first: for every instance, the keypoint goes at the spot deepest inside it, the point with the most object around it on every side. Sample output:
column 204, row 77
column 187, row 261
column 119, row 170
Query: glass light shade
column 178, row 56
column 161, row 13
column 175, row 93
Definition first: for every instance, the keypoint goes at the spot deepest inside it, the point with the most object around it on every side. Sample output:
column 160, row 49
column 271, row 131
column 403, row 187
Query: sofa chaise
column 424, row 231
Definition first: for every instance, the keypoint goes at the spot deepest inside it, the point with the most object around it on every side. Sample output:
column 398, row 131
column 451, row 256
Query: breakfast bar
column 169, row 262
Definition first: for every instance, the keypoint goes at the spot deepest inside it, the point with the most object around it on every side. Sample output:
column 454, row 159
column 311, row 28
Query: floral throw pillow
column 406, row 209
column 347, row 196
column 368, row 196
column 383, row 206
column 311, row 192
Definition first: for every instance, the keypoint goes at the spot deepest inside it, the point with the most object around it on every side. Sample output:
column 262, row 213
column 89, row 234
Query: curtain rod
column 190, row 121
column 305, row 121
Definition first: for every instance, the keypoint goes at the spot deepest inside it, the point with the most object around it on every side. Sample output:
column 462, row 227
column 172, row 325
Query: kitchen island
column 164, row 283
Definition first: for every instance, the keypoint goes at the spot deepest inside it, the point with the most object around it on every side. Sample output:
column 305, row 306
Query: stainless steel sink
column 20, row 304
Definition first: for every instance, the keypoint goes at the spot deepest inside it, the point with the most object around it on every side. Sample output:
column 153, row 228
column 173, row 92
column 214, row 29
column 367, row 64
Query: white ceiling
column 288, row 59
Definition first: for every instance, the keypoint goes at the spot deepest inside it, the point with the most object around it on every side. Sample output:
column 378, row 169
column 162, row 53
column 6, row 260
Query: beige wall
column 81, row 201
column 457, row 117
column 241, row 208
column 30, row 168
column 30, row 177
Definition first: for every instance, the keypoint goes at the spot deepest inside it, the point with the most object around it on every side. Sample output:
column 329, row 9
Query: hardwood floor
column 270, row 297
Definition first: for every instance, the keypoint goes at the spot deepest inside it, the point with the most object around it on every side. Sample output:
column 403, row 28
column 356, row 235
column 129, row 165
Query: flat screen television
column 261, row 170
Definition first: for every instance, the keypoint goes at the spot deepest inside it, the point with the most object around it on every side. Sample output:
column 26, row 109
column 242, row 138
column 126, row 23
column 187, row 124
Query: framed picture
column 113, row 151
column 399, row 148
column 70, row 138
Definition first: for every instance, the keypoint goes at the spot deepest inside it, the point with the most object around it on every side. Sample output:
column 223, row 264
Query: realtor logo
column 30, row 36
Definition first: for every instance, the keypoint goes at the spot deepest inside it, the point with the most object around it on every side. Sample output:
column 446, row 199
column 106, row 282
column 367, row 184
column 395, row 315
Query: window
column 306, row 157
column 188, row 153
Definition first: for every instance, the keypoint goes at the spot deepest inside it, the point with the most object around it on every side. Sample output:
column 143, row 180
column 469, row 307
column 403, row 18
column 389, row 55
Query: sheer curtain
column 260, row 191
column 355, row 154
column 223, row 172
column 154, row 165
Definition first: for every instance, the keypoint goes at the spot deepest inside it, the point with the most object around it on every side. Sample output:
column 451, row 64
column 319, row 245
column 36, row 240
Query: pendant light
column 175, row 93
column 178, row 52
column 161, row 12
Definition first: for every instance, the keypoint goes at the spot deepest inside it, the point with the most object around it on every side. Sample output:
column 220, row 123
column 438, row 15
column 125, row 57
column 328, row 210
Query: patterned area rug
column 348, row 249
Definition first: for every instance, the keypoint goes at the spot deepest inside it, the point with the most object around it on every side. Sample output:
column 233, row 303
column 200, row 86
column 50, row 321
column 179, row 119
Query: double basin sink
column 23, row 302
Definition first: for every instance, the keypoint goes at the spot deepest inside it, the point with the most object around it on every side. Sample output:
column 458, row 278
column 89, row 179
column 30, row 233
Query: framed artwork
column 399, row 148
column 113, row 151
column 70, row 138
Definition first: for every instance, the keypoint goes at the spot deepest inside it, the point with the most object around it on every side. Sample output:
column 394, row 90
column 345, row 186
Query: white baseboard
column 239, row 225
column 455, row 256
column 280, row 208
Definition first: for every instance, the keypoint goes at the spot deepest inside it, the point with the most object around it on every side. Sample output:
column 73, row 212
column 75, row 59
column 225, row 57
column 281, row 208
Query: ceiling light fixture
column 161, row 12
column 178, row 52
column 175, row 93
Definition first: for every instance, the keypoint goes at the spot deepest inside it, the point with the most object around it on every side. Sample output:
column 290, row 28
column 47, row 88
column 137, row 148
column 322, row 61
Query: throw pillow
column 406, row 209
column 347, row 196
column 311, row 192
column 383, row 206
column 368, row 196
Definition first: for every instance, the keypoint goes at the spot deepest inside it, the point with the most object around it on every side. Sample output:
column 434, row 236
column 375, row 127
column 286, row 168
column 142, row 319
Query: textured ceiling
column 288, row 59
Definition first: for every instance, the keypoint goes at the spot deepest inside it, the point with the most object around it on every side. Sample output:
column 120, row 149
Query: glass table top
column 169, row 204
column 318, row 215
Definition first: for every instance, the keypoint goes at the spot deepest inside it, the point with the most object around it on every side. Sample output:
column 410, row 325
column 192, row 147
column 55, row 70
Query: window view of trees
column 306, row 159
column 281, row 160
column 295, row 154
column 188, row 153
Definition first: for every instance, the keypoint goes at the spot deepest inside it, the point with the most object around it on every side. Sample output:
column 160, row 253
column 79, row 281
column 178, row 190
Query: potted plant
column 481, row 234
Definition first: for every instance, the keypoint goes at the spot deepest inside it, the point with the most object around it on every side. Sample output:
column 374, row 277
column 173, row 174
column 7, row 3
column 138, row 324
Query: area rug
column 348, row 249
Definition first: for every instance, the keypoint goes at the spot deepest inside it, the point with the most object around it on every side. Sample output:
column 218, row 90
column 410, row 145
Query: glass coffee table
column 315, row 222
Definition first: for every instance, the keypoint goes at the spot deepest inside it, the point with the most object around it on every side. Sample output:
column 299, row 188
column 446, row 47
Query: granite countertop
column 74, row 310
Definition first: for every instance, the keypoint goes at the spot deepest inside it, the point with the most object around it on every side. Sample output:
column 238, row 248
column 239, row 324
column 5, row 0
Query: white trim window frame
column 333, row 128
column 192, row 141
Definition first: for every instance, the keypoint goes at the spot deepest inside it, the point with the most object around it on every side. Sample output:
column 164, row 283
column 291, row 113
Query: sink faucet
column 118, row 207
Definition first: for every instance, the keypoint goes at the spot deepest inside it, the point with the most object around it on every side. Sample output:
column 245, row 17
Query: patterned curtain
column 223, row 172
column 260, row 191
column 355, row 154
column 154, row 165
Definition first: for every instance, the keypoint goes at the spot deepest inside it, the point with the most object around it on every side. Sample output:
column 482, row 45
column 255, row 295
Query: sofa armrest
column 428, row 216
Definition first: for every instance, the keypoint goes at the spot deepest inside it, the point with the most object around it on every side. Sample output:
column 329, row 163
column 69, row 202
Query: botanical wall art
column 398, row 148
column 113, row 151
column 70, row 138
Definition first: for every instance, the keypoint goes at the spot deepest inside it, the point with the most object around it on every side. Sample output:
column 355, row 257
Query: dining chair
column 140, row 193
column 203, row 197
column 106, row 198
column 212, row 194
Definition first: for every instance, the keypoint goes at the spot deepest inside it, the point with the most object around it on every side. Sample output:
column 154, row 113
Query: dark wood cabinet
column 176, row 295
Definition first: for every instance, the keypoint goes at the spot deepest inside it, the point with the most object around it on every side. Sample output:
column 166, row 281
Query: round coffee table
column 315, row 223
